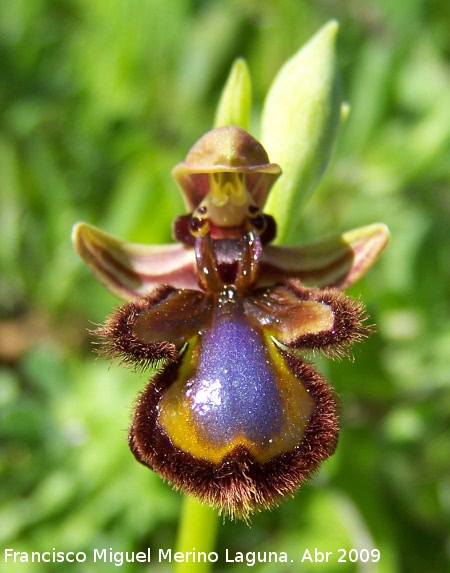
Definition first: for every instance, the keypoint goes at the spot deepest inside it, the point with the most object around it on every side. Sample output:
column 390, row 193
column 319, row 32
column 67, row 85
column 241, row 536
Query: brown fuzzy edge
column 238, row 485
column 348, row 327
column 118, row 341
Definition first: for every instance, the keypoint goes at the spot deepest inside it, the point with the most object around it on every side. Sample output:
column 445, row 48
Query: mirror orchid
column 235, row 413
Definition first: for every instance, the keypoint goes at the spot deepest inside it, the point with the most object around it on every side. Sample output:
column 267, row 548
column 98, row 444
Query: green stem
column 197, row 532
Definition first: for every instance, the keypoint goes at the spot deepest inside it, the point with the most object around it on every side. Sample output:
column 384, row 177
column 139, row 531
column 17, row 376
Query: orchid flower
column 235, row 414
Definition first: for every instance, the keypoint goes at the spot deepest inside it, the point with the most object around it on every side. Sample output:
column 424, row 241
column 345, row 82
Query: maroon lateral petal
column 147, row 330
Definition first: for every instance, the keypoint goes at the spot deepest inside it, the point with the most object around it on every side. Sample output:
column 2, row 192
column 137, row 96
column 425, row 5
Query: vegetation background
column 98, row 100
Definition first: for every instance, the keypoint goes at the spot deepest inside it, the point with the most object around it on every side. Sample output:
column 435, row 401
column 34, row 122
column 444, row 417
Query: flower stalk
column 198, row 528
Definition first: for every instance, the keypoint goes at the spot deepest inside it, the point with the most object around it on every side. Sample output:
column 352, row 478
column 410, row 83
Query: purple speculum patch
column 235, row 392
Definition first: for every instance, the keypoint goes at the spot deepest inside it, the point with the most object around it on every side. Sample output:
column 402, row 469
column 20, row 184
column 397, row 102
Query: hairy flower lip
column 237, row 486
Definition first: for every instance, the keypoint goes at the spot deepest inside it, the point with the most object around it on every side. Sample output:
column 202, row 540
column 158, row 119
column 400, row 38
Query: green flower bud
column 235, row 102
column 300, row 118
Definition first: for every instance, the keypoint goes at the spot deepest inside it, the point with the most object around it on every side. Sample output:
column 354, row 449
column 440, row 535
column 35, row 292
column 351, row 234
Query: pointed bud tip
column 77, row 230
column 240, row 66
column 345, row 111
column 234, row 105
column 332, row 27
column 327, row 34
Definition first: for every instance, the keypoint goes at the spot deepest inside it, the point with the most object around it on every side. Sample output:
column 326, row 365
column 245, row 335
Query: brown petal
column 147, row 330
column 338, row 261
column 309, row 318
column 130, row 270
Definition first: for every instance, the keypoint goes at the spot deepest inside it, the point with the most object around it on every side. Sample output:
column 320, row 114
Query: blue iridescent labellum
column 235, row 415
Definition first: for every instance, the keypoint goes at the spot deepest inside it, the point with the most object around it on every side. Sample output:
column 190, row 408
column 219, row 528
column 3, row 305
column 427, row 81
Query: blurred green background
column 98, row 100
